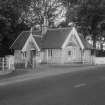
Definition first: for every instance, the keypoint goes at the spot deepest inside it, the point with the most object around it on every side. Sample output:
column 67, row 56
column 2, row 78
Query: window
column 33, row 52
column 69, row 53
column 37, row 53
column 24, row 55
column 50, row 52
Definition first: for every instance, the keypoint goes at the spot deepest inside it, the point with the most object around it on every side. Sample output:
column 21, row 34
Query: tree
column 43, row 12
column 87, row 14
column 10, row 11
column 92, row 13
column 10, row 28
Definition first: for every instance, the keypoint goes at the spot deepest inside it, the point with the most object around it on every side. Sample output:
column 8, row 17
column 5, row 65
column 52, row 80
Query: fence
column 10, row 62
column 6, row 63
column 99, row 60
column 3, row 64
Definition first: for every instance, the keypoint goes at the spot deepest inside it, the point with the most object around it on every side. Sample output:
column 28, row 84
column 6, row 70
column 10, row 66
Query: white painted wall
column 44, row 56
column 17, row 56
column 10, row 62
column 75, row 54
column 87, row 58
column 99, row 60
column 38, row 58
column 56, row 56
column 61, row 55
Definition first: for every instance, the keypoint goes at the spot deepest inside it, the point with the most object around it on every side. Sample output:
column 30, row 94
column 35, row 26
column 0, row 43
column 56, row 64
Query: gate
column 6, row 63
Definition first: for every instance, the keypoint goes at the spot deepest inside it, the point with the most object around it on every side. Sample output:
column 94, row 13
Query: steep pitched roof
column 54, row 38
column 85, row 43
column 20, row 41
column 22, row 38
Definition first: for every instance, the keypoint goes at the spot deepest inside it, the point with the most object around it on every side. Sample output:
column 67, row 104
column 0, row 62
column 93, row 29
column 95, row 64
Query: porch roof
column 20, row 41
column 22, row 38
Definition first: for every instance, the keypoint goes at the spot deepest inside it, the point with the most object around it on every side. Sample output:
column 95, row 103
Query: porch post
column 34, row 62
column 47, row 55
column 3, row 63
column 82, row 56
column 26, row 63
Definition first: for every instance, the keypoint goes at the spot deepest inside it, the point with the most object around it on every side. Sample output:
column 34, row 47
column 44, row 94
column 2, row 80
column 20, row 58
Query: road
column 77, row 88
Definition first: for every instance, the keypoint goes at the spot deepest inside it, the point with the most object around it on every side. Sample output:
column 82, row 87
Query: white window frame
column 50, row 52
column 69, row 53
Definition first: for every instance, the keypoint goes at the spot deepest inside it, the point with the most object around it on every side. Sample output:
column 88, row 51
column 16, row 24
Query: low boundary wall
column 99, row 60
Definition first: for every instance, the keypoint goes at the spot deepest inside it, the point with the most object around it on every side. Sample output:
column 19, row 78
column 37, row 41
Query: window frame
column 50, row 52
column 69, row 53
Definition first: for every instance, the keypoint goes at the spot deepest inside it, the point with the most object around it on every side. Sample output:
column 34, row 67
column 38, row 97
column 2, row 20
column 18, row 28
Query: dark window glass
column 50, row 52
column 69, row 53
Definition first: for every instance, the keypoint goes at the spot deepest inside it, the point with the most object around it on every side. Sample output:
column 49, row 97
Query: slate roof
column 22, row 38
column 85, row 43
column 20, row 41
column 54, row 38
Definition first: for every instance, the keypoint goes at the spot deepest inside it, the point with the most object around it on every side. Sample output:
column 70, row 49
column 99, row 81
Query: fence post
column 8, row 63
column 33, row 63
column 3, row 64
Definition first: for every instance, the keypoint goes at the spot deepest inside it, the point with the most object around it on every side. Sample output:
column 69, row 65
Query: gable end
column 73, row 32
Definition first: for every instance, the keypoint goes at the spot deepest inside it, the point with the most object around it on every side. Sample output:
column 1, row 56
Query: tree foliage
column 10, row 11
column 89, row 15
column 18, row 15
column 43, row 12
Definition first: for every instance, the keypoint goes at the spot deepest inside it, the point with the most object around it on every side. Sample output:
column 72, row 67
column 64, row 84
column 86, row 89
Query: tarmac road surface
column 75, row 88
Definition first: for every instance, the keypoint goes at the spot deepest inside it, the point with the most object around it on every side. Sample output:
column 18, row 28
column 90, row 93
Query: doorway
column 32, row 55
